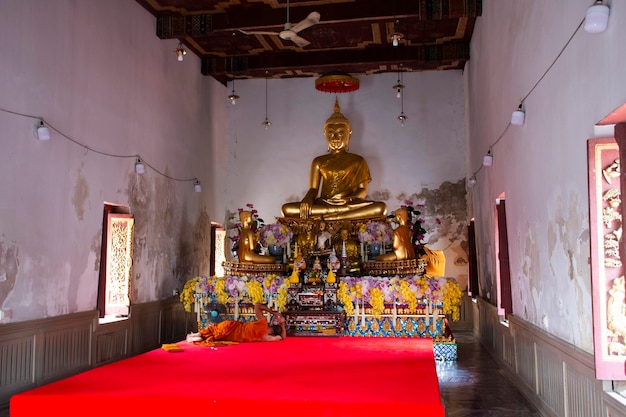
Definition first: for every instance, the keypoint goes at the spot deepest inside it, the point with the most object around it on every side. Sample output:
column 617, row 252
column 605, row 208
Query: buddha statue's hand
column 305, row 209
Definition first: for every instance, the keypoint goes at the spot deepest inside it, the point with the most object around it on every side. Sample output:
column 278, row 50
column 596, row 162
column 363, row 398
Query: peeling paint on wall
column 169, row 247
column 9, row 264
column 80, row 195
column 444, row 213
column 564, row 242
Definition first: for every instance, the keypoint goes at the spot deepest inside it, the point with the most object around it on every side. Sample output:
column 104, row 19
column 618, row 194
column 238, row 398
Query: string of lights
column 139, row 160
column 518, row 115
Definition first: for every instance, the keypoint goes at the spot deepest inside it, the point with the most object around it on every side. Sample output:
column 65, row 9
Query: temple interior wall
column 82, row 74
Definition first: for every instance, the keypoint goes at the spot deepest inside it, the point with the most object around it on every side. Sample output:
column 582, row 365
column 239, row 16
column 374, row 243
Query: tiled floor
column 474, row 386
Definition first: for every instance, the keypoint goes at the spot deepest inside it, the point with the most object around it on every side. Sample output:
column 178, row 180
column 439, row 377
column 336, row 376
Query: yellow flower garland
column 255, row 291
column 344, row 297
column 408, row 296
column 187, row 295
column 377, row 301
column 452, row 299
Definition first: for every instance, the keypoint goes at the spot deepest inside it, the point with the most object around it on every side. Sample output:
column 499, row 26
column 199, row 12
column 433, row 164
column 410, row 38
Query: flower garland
column 187, row 294
column 344, row 298
column 375, row 291
column 375, row 232
column 377, row 301
column 276, row 234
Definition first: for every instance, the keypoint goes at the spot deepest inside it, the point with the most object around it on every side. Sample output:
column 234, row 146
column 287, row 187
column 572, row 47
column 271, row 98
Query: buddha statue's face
column 338, row 136
column 246, row 218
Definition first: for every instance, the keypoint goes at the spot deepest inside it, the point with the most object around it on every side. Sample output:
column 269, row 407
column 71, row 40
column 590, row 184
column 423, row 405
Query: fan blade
column 312, row 19
column 257, row 32
column 301, row 42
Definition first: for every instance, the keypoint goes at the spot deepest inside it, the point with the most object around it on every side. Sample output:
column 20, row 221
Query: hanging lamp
column 266, row 123
column 402, row 117
column 233, row 97
column 180, row 52
column 399, row 86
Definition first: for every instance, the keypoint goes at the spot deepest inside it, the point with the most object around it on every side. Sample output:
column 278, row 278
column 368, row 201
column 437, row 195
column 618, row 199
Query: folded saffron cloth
column 171, row 348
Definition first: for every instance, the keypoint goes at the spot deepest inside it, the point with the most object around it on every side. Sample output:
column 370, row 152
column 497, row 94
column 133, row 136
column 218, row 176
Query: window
column 503, row 271
column 116, row 263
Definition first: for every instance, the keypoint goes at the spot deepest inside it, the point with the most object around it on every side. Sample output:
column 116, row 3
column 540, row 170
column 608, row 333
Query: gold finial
column 337, row 117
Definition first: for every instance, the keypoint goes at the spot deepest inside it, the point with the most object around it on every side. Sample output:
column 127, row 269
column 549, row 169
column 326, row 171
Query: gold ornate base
column 406, row 267
column 238, row 269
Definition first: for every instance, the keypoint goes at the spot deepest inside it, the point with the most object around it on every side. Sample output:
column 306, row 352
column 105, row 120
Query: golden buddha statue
column 306, row 240
column 247, row 243
column 348, row 247
column 339, row 178
column 402, row 244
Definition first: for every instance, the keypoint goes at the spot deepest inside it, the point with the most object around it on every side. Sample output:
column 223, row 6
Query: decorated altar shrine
column 366, row 306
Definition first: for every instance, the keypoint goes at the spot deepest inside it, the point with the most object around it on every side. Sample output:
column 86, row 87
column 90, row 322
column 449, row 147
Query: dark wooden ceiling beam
column 451, row 55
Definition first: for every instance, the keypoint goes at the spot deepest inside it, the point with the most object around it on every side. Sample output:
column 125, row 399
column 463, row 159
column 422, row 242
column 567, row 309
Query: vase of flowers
column 375, row 234
column 276, row 237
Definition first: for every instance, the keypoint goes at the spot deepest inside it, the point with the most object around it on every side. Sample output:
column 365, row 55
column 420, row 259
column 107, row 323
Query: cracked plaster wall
column 541, row 167
column 67, row 68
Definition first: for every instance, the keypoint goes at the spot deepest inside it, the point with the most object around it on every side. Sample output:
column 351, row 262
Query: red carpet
column 300, row 376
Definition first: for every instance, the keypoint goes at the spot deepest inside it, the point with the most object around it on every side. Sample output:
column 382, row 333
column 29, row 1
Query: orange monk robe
column 233, row 331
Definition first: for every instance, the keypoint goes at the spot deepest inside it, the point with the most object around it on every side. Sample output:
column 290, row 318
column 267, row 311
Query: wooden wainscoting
column 558, row 378
column 37, row 352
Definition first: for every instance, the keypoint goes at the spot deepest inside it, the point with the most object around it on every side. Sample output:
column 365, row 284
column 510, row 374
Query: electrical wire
column 533, row 88
column 88, row 148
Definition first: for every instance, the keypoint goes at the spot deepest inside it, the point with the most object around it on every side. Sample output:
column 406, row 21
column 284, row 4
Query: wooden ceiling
column 353, row 36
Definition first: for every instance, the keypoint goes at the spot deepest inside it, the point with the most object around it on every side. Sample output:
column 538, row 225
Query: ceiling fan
column 290, row 32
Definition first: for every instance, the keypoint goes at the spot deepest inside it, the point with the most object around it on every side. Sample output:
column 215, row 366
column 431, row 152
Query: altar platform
column 350, row 307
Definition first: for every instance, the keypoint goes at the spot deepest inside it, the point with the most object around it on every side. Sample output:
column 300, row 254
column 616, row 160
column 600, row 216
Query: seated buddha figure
column 402, row 244
column 338, row 180
column 347, row 249
column 247, row 243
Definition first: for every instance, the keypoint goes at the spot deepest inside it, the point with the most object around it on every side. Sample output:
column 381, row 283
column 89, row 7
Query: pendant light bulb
column 233, row 97
column 180, row 52
column 266, row 123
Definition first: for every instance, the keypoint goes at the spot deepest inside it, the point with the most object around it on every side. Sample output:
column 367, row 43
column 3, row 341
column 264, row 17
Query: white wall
column 96, row 72
column 541, row 166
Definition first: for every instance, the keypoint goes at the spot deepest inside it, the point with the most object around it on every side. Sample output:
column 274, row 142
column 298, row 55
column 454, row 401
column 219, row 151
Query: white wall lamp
column 196, row 186
column 180, row 52
column 518, row 116
column 597, row 18
column 488, row 159
column 140, row 168
column 41, row 131
column 233, row 97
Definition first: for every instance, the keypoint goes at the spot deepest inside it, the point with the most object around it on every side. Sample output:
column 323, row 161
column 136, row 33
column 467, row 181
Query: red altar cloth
column 300, row 376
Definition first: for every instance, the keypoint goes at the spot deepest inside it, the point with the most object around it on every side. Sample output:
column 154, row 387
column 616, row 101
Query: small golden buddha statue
column 348, row 249
column 247, row 243
column 306, row 240
column 339, row 178
column 402, row 244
